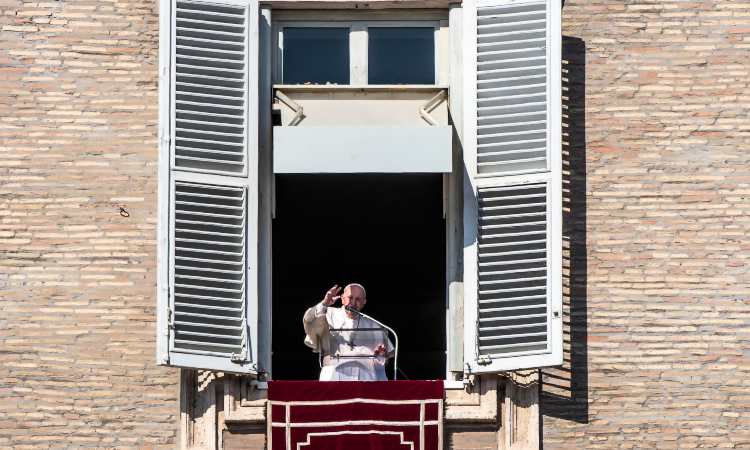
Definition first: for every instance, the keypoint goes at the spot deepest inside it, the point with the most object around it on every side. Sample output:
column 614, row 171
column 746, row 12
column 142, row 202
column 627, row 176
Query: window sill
column 447, row 384
column 360, row 88
column 245, row 402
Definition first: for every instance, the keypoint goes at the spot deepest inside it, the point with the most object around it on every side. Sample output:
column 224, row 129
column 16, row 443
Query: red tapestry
column 355, row 415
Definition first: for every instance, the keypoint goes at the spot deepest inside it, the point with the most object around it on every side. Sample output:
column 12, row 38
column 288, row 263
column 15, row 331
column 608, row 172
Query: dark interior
column 385, row 231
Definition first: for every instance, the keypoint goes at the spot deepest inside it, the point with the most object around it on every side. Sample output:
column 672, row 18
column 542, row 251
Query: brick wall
column 78, row 114
column 660, row 219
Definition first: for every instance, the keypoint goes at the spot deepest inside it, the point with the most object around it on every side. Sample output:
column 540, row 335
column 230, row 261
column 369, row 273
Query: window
column 399, row 55
column 357, row 52
column 385, row 231
column 215, row 175
column 316, row 55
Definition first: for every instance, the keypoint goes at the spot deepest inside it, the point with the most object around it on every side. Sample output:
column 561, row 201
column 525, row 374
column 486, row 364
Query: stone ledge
column 245, row 403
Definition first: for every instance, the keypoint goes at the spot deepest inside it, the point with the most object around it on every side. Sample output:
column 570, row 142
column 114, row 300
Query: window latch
column 484, row 360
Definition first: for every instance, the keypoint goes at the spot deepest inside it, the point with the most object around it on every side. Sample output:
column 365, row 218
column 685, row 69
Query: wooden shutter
column 208, row 184
column 512, row 207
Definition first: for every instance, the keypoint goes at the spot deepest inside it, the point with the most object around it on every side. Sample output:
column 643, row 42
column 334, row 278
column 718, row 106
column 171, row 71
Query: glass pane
column 316, row 55
column 401, row 56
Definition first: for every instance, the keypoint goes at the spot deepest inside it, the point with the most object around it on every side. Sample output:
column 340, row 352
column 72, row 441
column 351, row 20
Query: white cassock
column 346, row 355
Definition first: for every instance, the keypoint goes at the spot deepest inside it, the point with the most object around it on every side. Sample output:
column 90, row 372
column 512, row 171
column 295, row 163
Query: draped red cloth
column 355, row 415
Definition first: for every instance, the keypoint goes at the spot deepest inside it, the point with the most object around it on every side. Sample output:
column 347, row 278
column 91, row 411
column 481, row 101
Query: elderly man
column 347, row 355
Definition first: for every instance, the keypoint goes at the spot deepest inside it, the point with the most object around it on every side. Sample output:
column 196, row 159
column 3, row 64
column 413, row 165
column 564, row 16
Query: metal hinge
column 238, row 358
column 484, row 360
column 170, row 318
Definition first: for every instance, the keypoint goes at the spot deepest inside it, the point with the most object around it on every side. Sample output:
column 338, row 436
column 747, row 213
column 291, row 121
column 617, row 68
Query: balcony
column 358, row 129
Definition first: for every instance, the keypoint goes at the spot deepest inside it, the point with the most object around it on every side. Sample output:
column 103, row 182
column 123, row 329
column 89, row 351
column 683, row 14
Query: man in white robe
column 346, row 355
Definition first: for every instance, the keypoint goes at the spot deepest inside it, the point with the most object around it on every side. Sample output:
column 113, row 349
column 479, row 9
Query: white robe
column 340, row 348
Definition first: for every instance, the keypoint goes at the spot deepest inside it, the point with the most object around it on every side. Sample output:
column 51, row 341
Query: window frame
column 448, row 73
column 358, row 44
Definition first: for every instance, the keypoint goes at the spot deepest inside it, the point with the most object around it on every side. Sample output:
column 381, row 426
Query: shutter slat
column 207, row 269
column 239, row 53
column 201, row 278
column 188, row 27
column 203, row 324
column 207, row 10
column 510, row 225
column 219, row 135
column 522, row 24
column 187, row 343
column 514, row 280
column 502, row 291
column 237, row 72
column 216, row 162
column 504, row 272
column 511, row 262
column 508, row 348
column 208, row 307
column 517, row 162
column 205, row 287
column 508, row 299
column 511, row 124
column 506, row 244
column 216, row 234
column 208, row 297
column 198, row 222
column 238, row 109
column 199, row 260
column 207, row 114
column 206, row 150
column 510, row 143
column 518, row 317
column 506, row 335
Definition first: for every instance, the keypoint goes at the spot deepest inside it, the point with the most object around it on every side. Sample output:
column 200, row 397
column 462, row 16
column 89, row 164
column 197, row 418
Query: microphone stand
column 395, row 352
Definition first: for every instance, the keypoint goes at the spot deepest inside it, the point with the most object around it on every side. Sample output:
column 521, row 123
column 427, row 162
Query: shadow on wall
column 564, row 390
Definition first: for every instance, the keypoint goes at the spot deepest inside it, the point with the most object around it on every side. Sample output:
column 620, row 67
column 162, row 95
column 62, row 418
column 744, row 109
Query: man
column 346, row 355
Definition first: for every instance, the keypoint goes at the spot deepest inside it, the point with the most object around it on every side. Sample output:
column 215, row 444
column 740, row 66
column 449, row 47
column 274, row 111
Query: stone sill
column 245, row 402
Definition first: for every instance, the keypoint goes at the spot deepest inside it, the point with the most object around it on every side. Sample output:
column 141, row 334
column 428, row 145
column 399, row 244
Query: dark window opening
column 386, row 232
column 316, row 55
column 401, row 55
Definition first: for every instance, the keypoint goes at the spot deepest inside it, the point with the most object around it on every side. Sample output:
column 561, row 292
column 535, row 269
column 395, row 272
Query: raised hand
column 332, row 295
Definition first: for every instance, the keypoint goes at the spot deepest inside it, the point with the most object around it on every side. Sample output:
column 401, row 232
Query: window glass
column 316, row 55
column 401, row 55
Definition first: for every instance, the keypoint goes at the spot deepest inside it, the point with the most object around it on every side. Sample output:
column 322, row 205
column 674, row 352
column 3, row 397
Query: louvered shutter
column 512, row 207
column 208, row 222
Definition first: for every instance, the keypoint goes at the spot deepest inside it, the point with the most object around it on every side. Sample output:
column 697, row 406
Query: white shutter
column 513, row 195
column 208, row 190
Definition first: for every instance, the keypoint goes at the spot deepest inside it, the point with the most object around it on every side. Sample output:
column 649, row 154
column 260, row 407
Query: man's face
column 354, row 297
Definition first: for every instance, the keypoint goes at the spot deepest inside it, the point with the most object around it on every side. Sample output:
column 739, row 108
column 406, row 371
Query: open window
column 361, row 149
column 361, row 52
column 366, row 137
column 385, row 231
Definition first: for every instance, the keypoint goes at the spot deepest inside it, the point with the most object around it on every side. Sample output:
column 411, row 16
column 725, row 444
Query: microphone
column 352, row 310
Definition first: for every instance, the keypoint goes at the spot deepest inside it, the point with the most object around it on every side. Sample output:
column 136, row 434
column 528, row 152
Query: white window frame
column 358, row 44
column 447, row 72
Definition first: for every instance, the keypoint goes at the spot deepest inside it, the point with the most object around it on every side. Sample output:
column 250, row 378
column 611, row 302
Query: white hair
column 351, row 285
